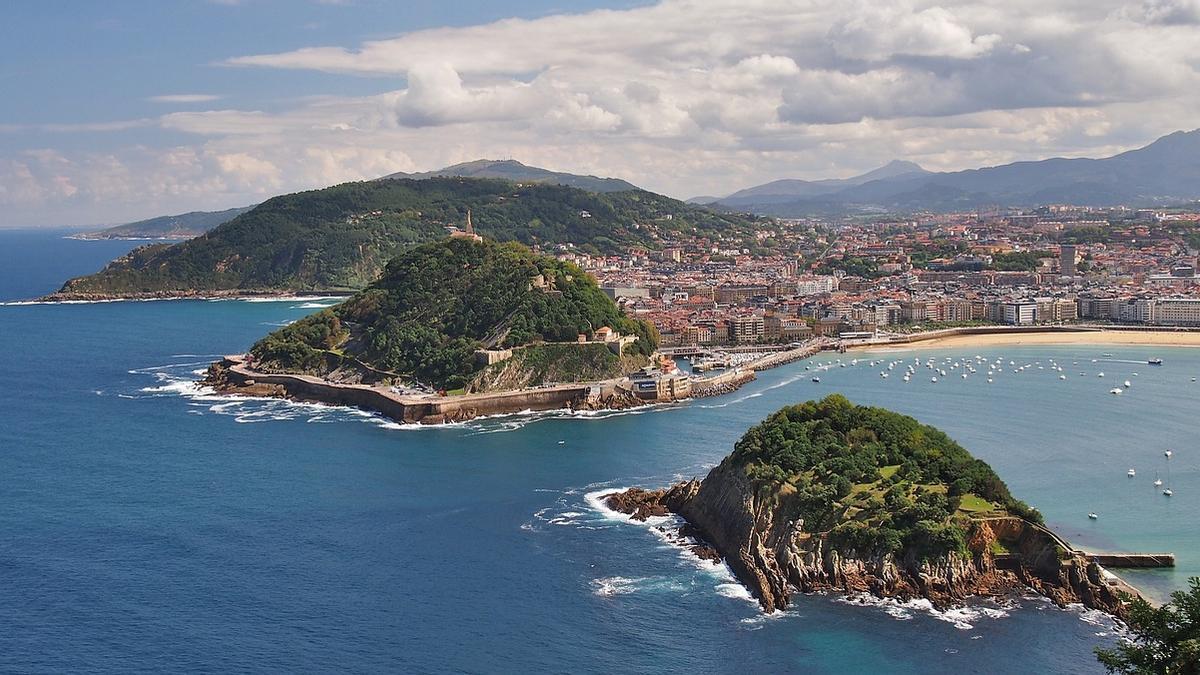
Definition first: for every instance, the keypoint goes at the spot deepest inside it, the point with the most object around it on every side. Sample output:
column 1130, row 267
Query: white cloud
column 684, row 97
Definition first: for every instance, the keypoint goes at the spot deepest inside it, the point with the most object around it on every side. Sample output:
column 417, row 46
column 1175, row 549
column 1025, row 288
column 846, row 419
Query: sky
column 126, row 109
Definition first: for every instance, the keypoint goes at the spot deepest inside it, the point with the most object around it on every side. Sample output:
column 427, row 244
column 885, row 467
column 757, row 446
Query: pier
column 1132, row 560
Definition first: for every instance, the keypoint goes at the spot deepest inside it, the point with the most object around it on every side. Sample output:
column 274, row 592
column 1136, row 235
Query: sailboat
column 1167, row 490
column 1157, row 480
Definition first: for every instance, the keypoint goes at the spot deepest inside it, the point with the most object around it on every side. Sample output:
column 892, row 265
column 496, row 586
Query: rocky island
column 455, row 329
column 827, row 495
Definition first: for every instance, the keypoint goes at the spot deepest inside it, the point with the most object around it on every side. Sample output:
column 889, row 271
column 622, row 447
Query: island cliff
column 831, row 496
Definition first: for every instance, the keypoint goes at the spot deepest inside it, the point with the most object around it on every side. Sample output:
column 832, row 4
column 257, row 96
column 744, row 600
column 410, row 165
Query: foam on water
column 314, row 305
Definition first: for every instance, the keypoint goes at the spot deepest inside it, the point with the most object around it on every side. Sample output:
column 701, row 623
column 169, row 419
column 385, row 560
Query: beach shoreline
column 1047, row 337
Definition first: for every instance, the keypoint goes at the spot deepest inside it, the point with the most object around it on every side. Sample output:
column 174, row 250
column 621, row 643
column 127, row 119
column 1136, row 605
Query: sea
column 149, row 525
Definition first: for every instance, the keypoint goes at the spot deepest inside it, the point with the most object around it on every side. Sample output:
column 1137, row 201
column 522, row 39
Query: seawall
column 235, row 377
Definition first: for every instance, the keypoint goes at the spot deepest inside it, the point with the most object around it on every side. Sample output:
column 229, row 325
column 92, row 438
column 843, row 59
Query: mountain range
column 512, row 170
column 1166, row 171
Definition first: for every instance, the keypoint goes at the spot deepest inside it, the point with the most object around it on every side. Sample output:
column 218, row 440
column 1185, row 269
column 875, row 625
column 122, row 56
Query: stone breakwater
column 231, row 375
column 725, row 383
column 730, row 381
column 775, row 557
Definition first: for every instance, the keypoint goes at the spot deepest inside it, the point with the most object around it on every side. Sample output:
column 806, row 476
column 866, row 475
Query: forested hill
column 437, row 303
column 342, row 237
column 876, row 481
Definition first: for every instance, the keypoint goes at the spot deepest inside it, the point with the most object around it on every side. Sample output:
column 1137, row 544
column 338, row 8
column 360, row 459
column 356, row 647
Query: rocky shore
column 775, row 557
column 78, row 296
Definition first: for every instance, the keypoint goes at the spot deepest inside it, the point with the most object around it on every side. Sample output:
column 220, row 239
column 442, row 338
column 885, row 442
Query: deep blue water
column 146, row 526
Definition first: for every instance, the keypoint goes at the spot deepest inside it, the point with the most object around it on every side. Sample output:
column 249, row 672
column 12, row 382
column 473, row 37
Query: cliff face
column 774, row 556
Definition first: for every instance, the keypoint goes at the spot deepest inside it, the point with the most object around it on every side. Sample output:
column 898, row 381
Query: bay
column 147, row 526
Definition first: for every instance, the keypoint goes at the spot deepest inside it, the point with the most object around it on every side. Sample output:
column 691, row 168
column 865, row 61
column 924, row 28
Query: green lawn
column 976, row 504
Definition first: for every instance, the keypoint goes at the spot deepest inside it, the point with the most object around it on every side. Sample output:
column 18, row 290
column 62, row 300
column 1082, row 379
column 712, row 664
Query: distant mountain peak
column 896, row 167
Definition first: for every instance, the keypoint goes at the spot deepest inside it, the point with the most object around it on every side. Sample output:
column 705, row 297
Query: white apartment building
column 1177, row 311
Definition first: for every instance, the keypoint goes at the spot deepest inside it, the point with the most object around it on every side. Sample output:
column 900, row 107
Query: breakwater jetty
column 232, row 375
column 1133, row 560
column 732, row 380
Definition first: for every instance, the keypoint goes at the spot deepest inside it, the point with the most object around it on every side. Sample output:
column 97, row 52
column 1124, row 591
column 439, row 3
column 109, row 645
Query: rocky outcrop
column 774, row 556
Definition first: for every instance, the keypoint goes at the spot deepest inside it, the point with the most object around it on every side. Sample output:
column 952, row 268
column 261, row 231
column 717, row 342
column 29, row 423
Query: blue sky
column 86, row 62
column 118, row 110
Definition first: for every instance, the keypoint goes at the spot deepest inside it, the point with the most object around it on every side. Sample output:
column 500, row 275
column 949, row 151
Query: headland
column 826, row 495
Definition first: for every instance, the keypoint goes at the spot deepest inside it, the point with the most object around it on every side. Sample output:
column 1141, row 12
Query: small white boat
column 1093, row 515
column 1100, row 374
column 1115, row 390
column 989, row 380
column 1157, row 480
column 1168, row 492
column 964, row 376
column 1062, row 377
column 816, row 379
column 562, row 442
column 1131, row 473
column 933, row 379
column 1168, row 453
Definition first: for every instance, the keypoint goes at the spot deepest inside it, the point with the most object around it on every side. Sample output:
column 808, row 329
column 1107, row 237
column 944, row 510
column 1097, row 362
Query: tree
column 1164, row 639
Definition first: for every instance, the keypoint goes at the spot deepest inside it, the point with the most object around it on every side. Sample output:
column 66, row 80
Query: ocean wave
column 665, row 529
column 283, row 298
column 314, row 305
column 963, row 618
column 734, row 591
column 610, row 586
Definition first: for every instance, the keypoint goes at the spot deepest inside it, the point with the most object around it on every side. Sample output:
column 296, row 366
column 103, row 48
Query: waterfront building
column 1020, row 313
column 1177, row 311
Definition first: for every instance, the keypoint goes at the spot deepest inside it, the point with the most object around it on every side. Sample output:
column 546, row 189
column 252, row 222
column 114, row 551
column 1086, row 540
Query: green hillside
column 876, row 481
column 342, row 237
column 437, row 303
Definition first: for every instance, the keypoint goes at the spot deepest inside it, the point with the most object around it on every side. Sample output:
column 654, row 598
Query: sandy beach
column 1100, row 337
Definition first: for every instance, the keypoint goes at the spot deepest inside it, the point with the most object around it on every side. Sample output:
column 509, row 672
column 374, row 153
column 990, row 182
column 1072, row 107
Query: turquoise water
column 148, row 526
